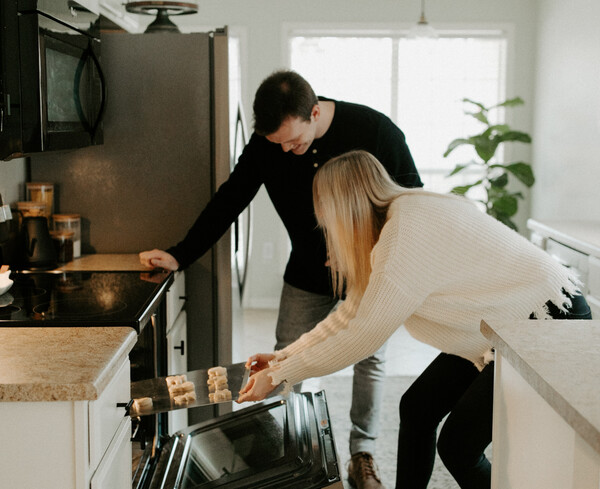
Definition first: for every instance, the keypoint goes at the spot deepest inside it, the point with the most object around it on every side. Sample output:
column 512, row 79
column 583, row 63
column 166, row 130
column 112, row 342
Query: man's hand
column 158, row 259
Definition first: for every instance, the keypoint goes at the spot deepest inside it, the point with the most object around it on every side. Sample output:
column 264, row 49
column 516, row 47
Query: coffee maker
column 37, row 249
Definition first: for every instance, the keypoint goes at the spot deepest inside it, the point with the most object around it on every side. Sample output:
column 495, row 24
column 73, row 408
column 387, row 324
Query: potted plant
column 499, row 201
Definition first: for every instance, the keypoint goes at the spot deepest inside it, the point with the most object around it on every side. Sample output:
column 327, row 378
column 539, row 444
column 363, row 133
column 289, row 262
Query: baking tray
column 162, row 401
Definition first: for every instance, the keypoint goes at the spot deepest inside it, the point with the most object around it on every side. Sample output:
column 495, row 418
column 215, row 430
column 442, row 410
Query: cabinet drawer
column 570, row 258
column 594, row 304
column 594, row 277
column 104, row 415
column 114, row 471
column 175, row 298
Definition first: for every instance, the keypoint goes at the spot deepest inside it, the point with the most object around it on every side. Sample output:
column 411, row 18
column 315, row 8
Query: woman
column 438, row 265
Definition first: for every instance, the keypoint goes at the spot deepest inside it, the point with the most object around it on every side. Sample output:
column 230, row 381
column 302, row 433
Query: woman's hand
column 259, row 386
column 259, row 362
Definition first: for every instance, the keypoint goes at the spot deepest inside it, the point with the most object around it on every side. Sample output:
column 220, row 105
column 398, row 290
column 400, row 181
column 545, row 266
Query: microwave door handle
column 96, row 61
column 78, row 75
column 89, row 54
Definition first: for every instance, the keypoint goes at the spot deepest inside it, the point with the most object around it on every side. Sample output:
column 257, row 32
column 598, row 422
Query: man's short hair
column 281, row 95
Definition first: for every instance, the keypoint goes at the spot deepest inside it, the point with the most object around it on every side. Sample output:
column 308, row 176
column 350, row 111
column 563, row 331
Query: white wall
column 12, row 181
column 566, row 149
column 261, row 25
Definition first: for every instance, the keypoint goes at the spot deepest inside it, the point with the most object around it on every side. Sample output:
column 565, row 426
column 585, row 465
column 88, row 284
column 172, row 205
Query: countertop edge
column 106, row 375
column 563, row 408
column 70, row 390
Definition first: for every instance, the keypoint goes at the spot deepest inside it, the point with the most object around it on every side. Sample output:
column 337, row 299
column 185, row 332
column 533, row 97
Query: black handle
column 180, row 347
column 126, row 405
column 102, row 89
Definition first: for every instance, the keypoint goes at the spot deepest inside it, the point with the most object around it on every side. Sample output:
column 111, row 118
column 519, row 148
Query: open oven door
column 281, row 442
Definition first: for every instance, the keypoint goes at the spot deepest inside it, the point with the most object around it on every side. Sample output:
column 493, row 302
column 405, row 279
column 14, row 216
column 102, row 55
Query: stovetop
column 82, row 298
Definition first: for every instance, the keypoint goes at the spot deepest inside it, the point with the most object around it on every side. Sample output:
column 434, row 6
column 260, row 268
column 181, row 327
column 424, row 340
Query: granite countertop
column 60, row 364
column 105, row 262
column 581, row 235
column 561, row 361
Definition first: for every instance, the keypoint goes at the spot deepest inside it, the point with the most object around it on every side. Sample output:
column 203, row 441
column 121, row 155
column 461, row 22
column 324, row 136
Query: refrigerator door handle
column 240, row 140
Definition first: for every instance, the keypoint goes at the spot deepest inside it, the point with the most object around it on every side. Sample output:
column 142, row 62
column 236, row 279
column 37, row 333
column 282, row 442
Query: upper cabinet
column 115, row 11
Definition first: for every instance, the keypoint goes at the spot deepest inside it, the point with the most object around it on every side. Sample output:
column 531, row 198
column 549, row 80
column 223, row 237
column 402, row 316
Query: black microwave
column 52, row 90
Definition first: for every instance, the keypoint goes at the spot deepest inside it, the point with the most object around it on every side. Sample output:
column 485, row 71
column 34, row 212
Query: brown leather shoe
column 362, row 472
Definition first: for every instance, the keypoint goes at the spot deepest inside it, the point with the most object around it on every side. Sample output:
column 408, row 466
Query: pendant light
column 162, row 9
column 422, row 30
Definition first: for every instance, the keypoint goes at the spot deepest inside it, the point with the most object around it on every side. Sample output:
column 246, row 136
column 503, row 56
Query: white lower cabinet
column 68, row 444
column 534, row 447
column 105, row 416
column 114, row 470
column 177, row 343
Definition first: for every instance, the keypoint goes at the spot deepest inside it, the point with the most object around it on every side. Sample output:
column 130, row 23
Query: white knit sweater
column 440, row 267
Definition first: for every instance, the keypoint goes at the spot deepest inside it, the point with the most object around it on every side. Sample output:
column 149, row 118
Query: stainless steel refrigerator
column 166, row 150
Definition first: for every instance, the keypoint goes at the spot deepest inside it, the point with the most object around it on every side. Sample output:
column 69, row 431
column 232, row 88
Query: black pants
column 452, row 386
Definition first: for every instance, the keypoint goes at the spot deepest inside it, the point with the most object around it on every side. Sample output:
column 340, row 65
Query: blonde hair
column 352, row 194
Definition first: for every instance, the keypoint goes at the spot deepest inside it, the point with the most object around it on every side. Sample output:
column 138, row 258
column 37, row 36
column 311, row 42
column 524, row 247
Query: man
column 294, row 133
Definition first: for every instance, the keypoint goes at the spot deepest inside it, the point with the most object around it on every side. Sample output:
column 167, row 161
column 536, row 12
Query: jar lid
column 31, row 204
column 63, row 234
column 39, row 185
column 66, row 217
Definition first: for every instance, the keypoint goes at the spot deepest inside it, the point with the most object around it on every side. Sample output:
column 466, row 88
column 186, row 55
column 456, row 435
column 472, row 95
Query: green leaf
column 506, row 205
column 485, row 147
column 478, row 104
column 463, row 189
column 497, row 128
column 499, row 182
column 480, row 116
column 522, row 171
column 455, row 144
column 459, row 168
column 506, row 220
column 517, row 136
column 513, row 102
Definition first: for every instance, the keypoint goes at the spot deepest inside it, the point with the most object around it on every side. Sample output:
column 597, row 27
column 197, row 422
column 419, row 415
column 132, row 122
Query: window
column 419, row 84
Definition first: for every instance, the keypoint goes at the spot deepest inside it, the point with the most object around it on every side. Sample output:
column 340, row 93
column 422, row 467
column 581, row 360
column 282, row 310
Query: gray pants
column 299, row 312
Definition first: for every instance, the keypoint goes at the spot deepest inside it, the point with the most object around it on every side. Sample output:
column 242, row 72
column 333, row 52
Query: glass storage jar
column 30, row 209
column 70, row 222
column 41, row 192
column 63, row 243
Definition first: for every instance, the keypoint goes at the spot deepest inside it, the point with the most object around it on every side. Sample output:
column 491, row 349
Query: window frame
column 503, row 31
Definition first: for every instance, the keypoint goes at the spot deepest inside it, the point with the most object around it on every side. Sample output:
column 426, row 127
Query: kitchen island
column 546, row 429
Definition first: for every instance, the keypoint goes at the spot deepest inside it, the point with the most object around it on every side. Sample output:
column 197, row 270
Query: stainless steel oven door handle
column 155, row 343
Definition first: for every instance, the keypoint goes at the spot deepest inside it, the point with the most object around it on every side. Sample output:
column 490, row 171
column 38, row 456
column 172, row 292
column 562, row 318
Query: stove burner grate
column 8, row 311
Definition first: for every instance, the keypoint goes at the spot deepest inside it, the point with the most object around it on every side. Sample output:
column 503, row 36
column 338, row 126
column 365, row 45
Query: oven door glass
column 283, row 442
column 240, row 447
